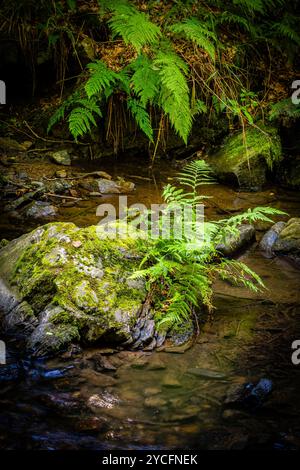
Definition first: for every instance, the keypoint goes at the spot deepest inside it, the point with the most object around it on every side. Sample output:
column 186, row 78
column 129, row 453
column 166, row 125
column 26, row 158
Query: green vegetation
column 176, row 65
column 180, row 271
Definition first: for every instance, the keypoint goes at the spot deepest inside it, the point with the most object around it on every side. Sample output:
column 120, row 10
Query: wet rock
column 160, row 339
column 41, row 210
column 10, row 373
column 150, row 391
column 233, row 243
column 171, row 381
column 206, row 373
column 61, row 157
column 13, row 145
column 147, row 331
column 155, row 402
column 246, row 166
column 114, row 187
column 156, row 364
column 105, row 400
column 151, row 346
column 61, row 173
column 53, row 374
column 288, row 242
column 91, row 424
column 59, row 186
column 97, row 378
column 269, row 238
column 72, row 291
column 101, row 363
column 249, row 395
column 180, row 339
column 185, row 415
column 61, row 402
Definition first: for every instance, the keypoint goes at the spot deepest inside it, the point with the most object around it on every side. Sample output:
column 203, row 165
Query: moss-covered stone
column 245, row 157
column 79, row 279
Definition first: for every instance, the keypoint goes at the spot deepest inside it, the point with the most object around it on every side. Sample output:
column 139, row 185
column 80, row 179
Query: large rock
column 234, row 242
column 288, row 242
column 60, row 284
column 244, row 159
column 270, row 237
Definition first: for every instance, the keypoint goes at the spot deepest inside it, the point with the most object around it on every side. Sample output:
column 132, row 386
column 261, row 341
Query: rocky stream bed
column 233, row 387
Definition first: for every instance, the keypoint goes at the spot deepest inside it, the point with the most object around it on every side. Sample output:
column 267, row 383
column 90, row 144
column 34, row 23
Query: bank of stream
column 105, row 398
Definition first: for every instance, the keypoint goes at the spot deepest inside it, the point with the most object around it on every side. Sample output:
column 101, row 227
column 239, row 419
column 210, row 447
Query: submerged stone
column 206, row 373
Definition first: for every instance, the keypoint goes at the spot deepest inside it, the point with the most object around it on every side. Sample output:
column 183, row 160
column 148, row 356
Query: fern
column 174, row 93
column 101, row 78
column 285, row 29
column 133, row 26
column 229, row 18
column 284, row 109
column 141, row 117
column 182, row 276
column 145, row 80
column 197, row 32
column 81, row 117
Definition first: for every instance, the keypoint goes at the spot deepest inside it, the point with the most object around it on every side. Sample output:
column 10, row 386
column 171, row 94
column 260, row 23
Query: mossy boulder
column 60, row 284
column 244, row 158
column 288, row 241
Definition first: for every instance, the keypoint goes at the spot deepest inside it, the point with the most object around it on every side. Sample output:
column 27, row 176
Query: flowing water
column 105, row 398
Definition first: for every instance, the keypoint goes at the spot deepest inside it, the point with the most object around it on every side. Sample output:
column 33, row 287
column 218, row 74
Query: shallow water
column 153, row 400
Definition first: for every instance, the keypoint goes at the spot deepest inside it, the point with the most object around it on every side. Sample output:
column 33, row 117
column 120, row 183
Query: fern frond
column 101, row 77
column 251, row 216
column 285, row 29
column 284, row 109
column 240, row 274
column 226, row 17
column 199, row 33
column 133, row 26
column 80, row 121
column 195, row 174
column 145, row 80
column 141, row 117
column 174, row 94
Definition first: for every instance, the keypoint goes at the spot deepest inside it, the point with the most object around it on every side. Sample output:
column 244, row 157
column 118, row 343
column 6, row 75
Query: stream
column 103, row 398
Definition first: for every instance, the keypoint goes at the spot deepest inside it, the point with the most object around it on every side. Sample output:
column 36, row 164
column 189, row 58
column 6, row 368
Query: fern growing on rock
column 180, row 271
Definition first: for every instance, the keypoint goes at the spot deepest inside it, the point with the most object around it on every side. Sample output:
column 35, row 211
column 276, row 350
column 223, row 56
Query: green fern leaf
column 174, row 93
column 145, row 80
column 141, row 117
column 197, row 32
column 133, row 26
column 100, row 79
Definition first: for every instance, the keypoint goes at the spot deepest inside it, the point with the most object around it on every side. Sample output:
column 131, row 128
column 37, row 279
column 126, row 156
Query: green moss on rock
column 245, row 157
column 82, row 278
